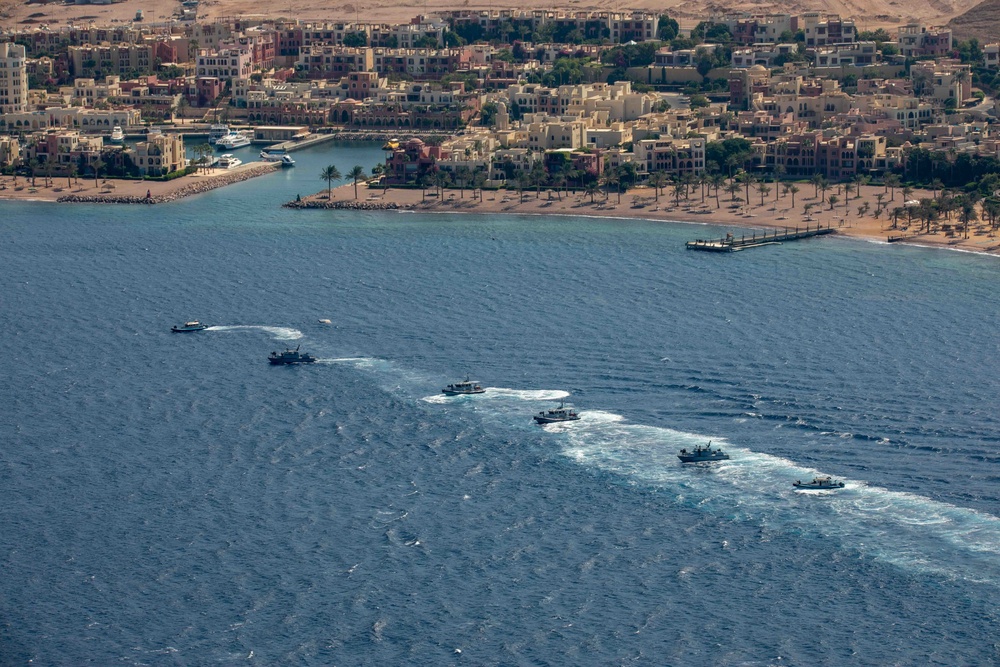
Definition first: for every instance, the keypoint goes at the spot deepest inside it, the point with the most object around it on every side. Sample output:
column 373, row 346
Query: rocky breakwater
column 184, row 187
column 347, row 204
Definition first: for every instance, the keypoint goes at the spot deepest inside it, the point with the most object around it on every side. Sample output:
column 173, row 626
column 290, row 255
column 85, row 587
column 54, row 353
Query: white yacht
column 117, row 135
column 227, row 161
column 216, row 132
column 235, row 139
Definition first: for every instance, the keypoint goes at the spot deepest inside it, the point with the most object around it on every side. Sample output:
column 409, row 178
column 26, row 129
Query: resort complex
column 523, row 99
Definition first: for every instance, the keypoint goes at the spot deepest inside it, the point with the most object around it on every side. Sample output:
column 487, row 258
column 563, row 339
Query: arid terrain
column 870, row 14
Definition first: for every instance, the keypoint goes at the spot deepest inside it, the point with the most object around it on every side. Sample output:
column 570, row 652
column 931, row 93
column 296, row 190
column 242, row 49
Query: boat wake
column 278, row 333
column 902, row 528
column 502, row 393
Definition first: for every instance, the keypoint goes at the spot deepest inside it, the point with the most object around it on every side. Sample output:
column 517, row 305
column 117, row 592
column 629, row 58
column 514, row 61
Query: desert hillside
column 869, row 13
column 981, row 22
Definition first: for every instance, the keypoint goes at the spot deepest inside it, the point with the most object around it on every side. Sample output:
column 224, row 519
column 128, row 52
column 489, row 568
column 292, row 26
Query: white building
column 13, row 79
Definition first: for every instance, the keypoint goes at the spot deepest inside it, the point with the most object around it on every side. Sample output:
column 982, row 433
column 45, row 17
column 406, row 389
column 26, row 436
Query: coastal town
column 893, row 131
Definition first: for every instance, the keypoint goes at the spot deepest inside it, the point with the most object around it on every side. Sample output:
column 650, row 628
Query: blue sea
column 172, row 499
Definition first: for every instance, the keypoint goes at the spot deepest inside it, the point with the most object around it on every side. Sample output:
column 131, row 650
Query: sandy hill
column 981, row 22
column 870, row 14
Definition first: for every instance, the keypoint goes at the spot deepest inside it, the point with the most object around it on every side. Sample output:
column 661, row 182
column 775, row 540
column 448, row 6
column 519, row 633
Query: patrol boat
column 291, row 356
column 462, row 388
column 700, row 453
column 189, row 326
column 819, row 483
column 555, row 415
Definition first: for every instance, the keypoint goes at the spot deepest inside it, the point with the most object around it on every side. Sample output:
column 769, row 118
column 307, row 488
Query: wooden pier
column 731, row 243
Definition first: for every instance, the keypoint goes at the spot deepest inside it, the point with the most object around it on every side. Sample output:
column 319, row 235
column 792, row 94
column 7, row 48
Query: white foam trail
column 527, row 394
column 501, row 393
column 899, row 527
column 279, row 333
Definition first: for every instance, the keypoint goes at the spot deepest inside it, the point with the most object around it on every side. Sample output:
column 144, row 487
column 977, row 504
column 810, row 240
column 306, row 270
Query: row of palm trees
column 330, row 174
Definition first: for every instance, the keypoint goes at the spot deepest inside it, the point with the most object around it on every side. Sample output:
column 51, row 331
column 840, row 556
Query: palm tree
column 590, row 189
column 824, row 185
column 967, row 213
column 70, row 174
column 733, row 189
column 357, row 173
column 478, row 181
column 833, row 200
column 98, row 165
column 816, row 180
column 462, row 176
column 615, row 180
column 330, row 174
column 763, row 189
column 794, row 189
column 717, row 181
column 657, row 179
column 678, row 188
column 559, row 181
column 891, row 183
column 537, row 177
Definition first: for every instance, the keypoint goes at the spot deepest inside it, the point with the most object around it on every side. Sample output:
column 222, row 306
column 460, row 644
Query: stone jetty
column 188, row 186
column 347, row 204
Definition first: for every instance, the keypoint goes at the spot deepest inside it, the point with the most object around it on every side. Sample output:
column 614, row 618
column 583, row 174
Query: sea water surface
column 172, row 499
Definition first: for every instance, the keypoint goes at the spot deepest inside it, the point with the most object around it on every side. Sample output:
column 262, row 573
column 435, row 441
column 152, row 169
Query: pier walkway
column 730, row 243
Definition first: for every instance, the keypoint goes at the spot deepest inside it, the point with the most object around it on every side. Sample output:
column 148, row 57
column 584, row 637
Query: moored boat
column 291, row 356
column 462, row 388
column 700, row 453
column 187, row 327
column 235, row 139
column 228, row 161
column 216, row 132
column 117, row 135
column 556, row 415
column 819, row 483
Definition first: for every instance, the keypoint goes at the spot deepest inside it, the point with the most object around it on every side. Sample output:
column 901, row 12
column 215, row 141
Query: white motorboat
column 702, row 453
column 284, row 158
column 117, row 135
column 555, row 415
column 820, row 483
column 463, row 387
column 228, row 161
column 233, row 140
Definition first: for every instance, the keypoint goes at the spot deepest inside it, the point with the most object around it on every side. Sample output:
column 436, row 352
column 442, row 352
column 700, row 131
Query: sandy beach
column 641, row 203
column 114, row 190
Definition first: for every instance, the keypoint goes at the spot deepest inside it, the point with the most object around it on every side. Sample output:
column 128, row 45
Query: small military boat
column 189, row 326
column 555, row 415
column 819, row 483
column 463, row 388
column 700, row 453
column 291, row 356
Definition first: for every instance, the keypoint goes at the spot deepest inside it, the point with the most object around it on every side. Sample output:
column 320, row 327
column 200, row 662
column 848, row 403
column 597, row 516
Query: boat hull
column 289, row 362
column 554, row 420
column 819, row 487
column 451, row 392
column 686, row 458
